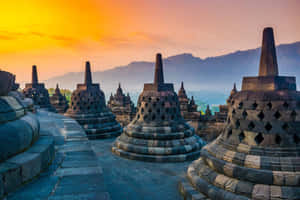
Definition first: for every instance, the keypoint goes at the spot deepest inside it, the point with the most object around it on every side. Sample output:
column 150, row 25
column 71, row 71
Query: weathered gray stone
column 1, row 186
column 83, row 196
column 30, row 164
column 11, row 174
column 78, row 171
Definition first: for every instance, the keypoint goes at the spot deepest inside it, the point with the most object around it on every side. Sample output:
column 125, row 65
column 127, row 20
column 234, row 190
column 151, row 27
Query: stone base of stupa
column 158, row 144
column 229, row 174
column 98, row 126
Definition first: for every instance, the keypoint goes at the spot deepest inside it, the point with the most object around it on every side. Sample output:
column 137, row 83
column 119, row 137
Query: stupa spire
column 88, row 74
column 234, row 90
column 268, row 61
column 182, row 86
column 159, row 74
column 34, row 75
column 57, row 88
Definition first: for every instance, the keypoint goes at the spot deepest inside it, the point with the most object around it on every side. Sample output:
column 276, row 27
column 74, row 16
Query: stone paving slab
column 88, row 196
column 62, row 172
column 75, row 172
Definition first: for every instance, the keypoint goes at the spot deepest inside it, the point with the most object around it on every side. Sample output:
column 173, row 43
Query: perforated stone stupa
column 37, row 92
column 88, row 107
column 122, row 107
column 59, row 101
column 158, row 133
column 258, row 154
column 24, row 153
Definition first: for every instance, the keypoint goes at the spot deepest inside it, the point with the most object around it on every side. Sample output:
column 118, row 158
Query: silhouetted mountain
column 213, row 73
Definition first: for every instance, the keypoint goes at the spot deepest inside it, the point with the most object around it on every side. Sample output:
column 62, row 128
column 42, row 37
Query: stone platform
column 74, row 173
column 88, row 170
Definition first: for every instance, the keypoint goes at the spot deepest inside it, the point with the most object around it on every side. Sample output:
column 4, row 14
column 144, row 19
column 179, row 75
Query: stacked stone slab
column 24, row 152
column 37, row 92
column 122, row 107
column 258, row 154
column 26, row 102
column 89, row 109
column 59, row 101
column 158, row 132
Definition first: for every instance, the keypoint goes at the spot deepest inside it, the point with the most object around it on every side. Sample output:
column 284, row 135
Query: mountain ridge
column 212, row 73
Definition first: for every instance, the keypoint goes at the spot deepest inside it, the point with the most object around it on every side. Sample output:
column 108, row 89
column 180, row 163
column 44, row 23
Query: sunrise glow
column 59, row 36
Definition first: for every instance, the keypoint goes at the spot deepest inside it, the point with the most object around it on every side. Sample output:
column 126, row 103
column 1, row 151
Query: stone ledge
column 23, row 167
column 156, row 158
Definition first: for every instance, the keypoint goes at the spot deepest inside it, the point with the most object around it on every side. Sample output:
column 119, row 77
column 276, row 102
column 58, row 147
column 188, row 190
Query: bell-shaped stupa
column 258, row 154
column 89, row 109
column 59, row 101
column 37, row 92
column 158, row 133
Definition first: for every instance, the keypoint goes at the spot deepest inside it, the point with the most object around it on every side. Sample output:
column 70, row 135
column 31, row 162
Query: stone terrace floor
column 87, row 170
column 137, row 180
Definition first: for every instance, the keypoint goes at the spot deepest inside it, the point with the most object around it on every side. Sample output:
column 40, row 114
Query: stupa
column 59, row 101
column 122, row 107
column 233, row 91
column 24, row 153
column 208, row 111
column 192, row 105
column 89, row 109
column 258, row 154
column 188, row 107
column 37, row 92
column 183, row 99
column 158, row 133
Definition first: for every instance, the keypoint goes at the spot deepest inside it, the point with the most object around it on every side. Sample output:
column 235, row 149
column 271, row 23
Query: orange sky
column 59, row 35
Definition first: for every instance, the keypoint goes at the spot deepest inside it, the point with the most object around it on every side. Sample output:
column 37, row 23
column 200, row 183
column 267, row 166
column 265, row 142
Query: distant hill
column 213, row 73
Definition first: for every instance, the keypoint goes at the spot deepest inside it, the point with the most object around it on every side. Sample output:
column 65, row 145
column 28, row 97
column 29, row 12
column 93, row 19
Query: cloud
column 135, row 39
column 6, row 35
